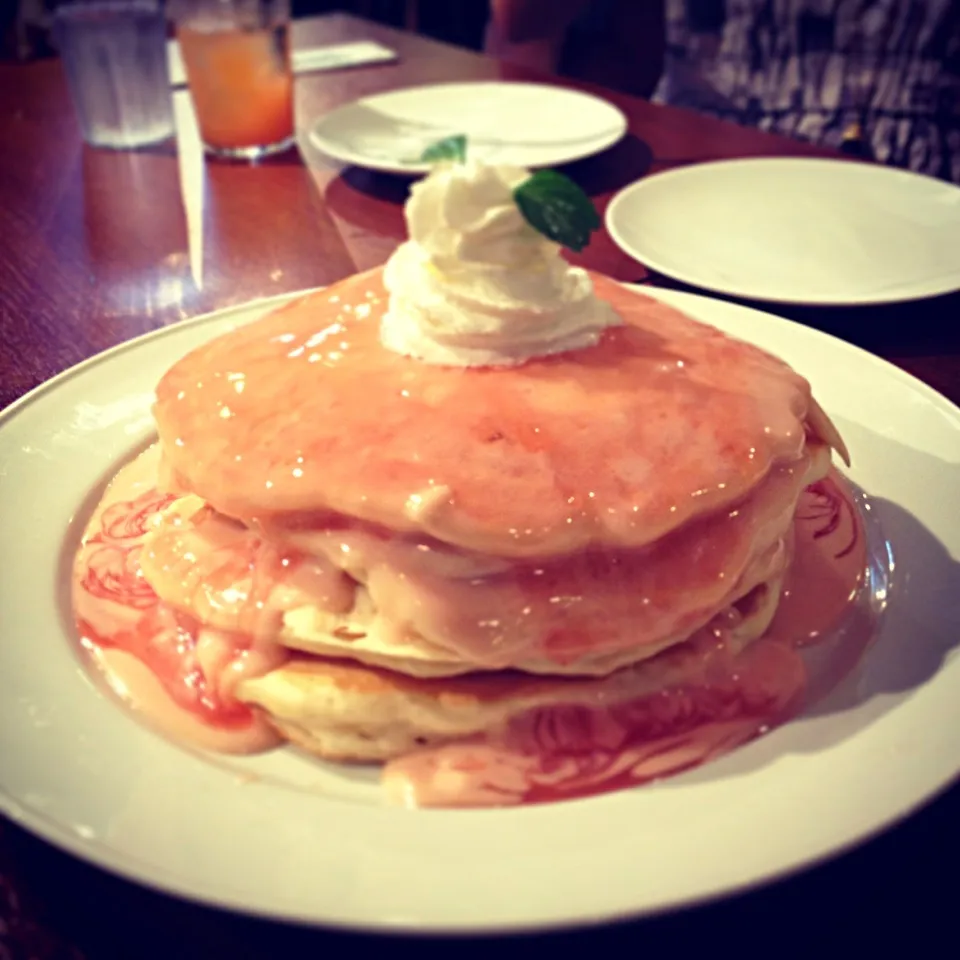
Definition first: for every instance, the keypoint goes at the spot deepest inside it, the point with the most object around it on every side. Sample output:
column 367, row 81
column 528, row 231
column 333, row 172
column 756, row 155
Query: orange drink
column 241, row 82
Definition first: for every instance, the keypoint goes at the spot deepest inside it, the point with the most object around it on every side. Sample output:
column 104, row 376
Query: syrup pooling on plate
column 161, row 660
column 182, row 677
column 578, row 749
column 723, row 699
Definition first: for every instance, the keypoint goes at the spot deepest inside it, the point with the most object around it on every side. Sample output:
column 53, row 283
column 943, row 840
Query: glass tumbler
column 115, row 57
column 236, row 55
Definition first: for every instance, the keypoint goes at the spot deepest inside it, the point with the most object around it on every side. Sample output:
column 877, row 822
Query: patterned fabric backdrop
column 813, row 68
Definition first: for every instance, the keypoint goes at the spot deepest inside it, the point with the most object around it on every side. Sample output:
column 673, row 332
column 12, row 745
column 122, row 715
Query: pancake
column 388, row 603
column 551, row 571
column 296, row 522
column 303, row 418
column 351, row 712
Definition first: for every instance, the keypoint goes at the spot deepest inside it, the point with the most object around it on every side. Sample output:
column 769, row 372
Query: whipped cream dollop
column 476, row 285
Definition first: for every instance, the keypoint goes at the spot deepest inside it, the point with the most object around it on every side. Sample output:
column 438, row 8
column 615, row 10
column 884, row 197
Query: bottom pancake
column 346, row 711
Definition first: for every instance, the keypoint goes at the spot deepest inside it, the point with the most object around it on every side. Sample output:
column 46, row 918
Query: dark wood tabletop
column 97, row 247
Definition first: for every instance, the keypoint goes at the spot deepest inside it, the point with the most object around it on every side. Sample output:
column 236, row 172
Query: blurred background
column 25, row 24
column 602, row 45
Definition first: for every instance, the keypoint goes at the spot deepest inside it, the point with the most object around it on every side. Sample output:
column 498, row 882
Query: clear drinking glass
column 115, row 57
column 236, row 54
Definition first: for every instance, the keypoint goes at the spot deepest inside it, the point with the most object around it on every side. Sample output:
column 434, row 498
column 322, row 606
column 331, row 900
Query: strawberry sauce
column 160, row 660
column 180, row 674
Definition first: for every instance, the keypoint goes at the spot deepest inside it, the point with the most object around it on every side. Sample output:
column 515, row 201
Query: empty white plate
column 527, row 124
column 795, row 230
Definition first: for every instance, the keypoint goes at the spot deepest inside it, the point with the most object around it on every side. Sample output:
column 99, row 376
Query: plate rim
column 323, row 144
column 98, row 856
column 734, row 290
column 101, row 855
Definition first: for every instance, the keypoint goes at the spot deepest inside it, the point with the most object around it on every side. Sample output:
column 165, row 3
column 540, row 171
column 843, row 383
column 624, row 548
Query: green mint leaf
column 556, row 207
column 450, row 148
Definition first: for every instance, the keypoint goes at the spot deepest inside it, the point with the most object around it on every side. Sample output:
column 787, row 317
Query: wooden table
column 98, row 247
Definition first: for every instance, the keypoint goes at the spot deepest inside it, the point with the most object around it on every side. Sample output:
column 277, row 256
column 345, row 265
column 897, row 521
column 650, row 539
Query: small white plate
column 785, row 230
column 288, row 837
column 525, row 124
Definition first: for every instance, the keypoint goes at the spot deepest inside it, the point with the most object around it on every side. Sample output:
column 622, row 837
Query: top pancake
column 303, row 416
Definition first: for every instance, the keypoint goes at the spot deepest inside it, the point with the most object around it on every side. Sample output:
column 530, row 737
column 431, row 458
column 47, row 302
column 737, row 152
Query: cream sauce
column 175, row 672
column 181, row 675
column 566, row 751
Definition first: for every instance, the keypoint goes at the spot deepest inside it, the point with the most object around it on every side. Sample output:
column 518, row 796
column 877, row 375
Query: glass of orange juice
column 236, row 54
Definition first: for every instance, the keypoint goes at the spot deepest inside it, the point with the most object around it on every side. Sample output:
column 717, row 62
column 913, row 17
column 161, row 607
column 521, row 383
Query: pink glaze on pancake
column 180, row 676
column 304, row 414
column 559, row 611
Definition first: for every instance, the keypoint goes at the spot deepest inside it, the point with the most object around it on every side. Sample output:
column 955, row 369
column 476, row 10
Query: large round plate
column 526, row 124
column 288, row 837
column 795, row 230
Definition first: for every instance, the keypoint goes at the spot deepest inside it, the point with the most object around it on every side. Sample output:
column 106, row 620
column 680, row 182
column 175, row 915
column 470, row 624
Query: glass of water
column 114, row 53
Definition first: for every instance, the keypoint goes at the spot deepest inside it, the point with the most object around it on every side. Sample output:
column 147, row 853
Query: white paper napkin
column 333, row 57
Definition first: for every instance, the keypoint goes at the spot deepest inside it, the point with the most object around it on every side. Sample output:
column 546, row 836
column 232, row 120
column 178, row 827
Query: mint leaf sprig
column 550, row 202
column 556, row 207
column 450, row 148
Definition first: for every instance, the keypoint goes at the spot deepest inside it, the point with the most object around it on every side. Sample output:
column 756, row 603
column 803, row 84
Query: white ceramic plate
column 795, row 231
column 289, row 837
column 527, row 124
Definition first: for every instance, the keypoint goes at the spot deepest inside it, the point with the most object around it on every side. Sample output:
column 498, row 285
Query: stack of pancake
column 444, row 550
